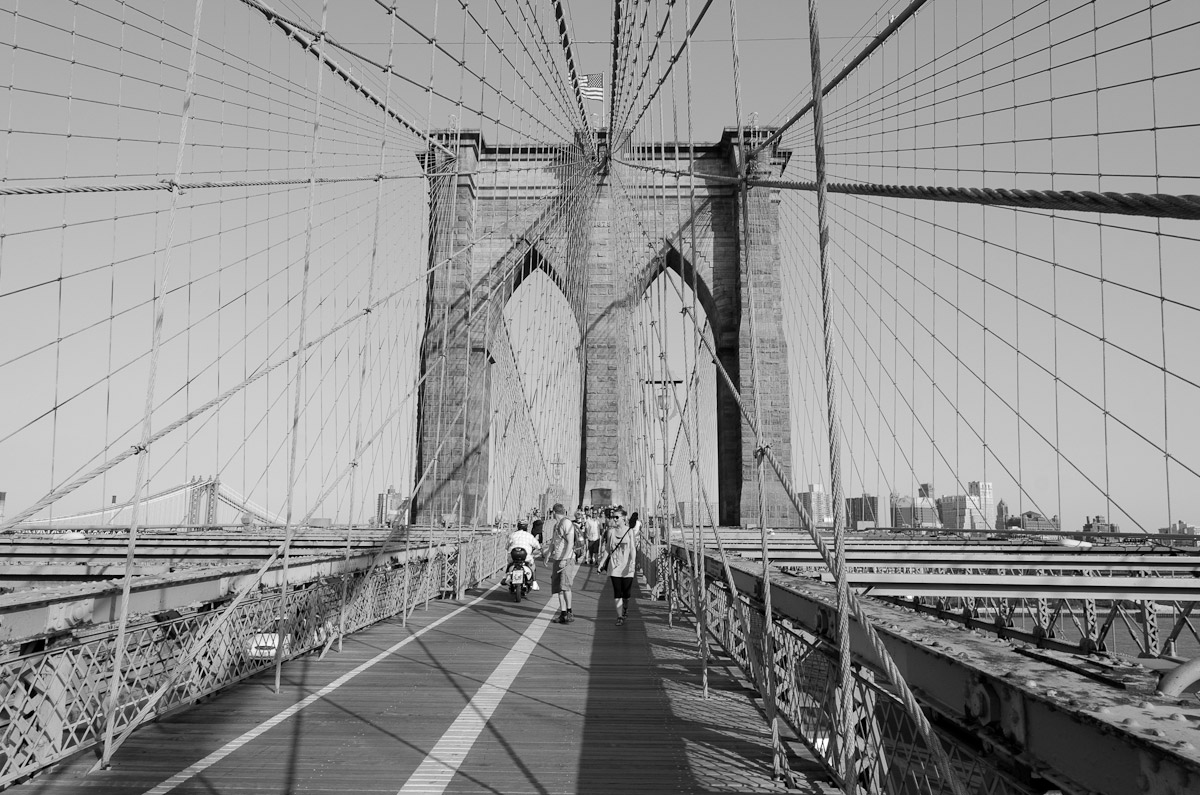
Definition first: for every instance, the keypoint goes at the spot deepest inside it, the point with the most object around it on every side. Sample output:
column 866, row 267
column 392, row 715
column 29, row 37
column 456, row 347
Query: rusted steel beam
column 1108, row 733
column 1184, row 589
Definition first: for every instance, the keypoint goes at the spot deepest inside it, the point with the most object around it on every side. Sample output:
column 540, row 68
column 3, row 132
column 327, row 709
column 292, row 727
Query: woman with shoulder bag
column 620, row 546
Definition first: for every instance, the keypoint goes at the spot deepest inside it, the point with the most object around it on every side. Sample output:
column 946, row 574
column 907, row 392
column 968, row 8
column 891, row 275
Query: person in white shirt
column 592, row 527
column 525, row 540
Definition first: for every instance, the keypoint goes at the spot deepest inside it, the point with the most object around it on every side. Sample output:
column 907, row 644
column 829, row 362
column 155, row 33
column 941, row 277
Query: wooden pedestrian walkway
column 482, row 695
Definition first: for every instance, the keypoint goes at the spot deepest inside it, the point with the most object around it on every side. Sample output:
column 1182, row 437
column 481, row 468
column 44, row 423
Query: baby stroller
column 519, row 574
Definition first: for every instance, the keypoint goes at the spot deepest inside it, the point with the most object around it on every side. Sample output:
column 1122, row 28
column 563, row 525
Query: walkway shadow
column 648, row 727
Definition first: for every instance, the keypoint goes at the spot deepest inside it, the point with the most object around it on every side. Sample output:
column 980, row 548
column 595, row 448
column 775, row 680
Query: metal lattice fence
column 890, row 757
column 52, row 702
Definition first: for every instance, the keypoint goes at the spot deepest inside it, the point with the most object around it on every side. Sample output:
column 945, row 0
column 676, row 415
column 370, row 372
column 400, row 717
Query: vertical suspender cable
column 432, row 166
column 844, row 602
column 283, row 624
column 883, row 657
column 366, row 340
column 451, row 220
column 701, row 588
column 466, row 389
column 845, row 699
column 767, row 649
column 160, row 308
column 471, row 475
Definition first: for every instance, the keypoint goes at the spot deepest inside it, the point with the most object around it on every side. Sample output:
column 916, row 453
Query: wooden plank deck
column 592, row 708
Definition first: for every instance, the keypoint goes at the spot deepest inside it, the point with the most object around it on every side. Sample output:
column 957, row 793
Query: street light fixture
column 664, row 404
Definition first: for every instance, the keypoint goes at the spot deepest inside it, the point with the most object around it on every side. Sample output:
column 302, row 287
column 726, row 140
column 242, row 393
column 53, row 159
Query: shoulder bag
column 607, row 559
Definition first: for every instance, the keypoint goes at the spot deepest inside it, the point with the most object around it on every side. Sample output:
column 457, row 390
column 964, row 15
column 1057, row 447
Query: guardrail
column 1011, row 719
column 53, row 700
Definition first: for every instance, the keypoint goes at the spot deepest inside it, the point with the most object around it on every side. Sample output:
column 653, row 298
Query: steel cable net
column 383, row 238
column 93, row 108
column 1033, row 356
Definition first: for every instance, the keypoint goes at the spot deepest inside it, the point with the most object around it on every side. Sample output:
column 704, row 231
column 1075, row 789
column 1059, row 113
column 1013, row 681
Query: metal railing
column 890, row 756
column 52, row 701
column 1134, row 627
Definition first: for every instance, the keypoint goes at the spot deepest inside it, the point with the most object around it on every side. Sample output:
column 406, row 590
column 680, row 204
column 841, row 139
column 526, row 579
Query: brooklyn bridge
column 884, row 317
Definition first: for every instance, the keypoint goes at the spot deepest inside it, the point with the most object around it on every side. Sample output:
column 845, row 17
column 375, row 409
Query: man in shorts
column 563, row 564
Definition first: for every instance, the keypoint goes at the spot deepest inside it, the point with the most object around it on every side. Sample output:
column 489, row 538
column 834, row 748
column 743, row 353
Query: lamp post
column 558, row 465
column 664, row 405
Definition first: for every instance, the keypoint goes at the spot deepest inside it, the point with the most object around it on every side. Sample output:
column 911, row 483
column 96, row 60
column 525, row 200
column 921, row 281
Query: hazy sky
column 1062, row 343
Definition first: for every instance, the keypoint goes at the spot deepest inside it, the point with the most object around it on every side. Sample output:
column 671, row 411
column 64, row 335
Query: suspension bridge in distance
column 309, row 305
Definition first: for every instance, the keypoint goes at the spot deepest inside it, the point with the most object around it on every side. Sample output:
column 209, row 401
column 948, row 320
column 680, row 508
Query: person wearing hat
column 563, row 565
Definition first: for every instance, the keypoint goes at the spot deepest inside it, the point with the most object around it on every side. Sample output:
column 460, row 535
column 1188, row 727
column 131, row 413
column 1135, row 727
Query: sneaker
column 620, row 620
column 569, row 617
column 561, row 618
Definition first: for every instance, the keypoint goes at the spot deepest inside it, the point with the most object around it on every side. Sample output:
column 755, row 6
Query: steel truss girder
column 31, row 614
column 1069, row 729
column 1182, row 589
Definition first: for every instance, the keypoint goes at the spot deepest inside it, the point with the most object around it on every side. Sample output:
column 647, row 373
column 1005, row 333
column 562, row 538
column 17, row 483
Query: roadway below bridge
column 30, row 561
column 482, row 695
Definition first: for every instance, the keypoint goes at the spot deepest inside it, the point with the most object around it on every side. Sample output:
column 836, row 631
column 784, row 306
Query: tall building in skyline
column 1099, row 526
column 862, row 512
column 1180, row 528
column 818, row 503
column 962, row 512
column 915, row 512
column 1001, row 515
column 970, row 511
column 1032, row 520
column 386, row 502
column 981, row 491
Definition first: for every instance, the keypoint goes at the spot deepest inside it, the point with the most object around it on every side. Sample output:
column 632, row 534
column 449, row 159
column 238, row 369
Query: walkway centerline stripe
column 434, row 774
column 233, row 745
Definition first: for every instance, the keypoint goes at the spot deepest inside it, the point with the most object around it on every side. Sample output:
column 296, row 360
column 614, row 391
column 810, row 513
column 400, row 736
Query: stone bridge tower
column 573, row 243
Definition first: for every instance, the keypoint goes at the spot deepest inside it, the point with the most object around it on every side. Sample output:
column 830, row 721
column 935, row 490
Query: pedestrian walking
column 564, row 561
column 536, row 526
column 592, row 525
column 620, row 546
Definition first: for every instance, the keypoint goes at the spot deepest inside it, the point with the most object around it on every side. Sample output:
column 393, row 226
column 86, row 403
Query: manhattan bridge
column 884, row 316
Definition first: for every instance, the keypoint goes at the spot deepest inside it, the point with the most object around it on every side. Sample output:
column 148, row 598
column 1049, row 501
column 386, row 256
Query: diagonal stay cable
column 313, row 45
column 876, row 43
column 67, row 488
column 687, row 39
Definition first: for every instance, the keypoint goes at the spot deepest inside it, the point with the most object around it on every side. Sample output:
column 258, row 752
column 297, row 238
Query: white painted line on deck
column 434, row 774
column 227, row 749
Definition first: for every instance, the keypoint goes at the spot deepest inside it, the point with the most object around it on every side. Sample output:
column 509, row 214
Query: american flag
column 592, row 86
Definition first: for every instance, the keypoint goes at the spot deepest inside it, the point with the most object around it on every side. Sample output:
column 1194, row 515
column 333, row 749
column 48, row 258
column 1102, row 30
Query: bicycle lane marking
column 435, row 773
column 233, row 745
